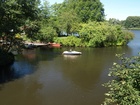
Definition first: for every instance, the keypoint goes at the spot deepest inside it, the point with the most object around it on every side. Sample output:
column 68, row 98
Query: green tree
column 69, row 22
column 31, row 28
column 46, row 34
column 132, row 22
column 47, row 20
column 54, row 20
column 124, row 88
column 63, row 20
column 13, row 14
column 66, row 16
column 98, row 34
column 101, row 34
column 89, row 10
column 45, row 11
column 114, row 21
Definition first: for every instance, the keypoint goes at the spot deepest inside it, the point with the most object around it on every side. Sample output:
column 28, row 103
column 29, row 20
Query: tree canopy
column 86, row 10
column 100, row 34
column 13, row 15
column 132, row 22
column 44, row 22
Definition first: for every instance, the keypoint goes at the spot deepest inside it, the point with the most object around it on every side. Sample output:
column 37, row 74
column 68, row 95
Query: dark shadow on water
column 5, row 74
column 48, row 54
column 16, row 71
column 26, row 64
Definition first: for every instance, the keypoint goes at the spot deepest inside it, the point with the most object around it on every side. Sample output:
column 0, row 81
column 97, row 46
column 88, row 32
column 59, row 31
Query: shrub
column 124, row 89
column 103, row 34
column 69, row 41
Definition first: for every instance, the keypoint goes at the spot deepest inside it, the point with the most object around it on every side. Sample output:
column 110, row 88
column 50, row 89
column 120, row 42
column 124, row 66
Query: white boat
column 70, row 57
column 72, row 53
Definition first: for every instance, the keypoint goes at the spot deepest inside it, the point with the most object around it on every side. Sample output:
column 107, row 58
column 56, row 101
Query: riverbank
column 39, row 44
column 36, row 43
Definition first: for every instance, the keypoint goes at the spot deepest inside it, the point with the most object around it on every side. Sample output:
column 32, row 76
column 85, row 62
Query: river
column 44, row 76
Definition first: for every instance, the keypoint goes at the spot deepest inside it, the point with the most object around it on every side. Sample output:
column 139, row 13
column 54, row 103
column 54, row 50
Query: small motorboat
column 72, row 53
column 70, row 57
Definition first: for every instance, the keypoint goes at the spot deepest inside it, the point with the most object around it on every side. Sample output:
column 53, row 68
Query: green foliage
column 46, row 34
column 31, row 28
column 124, row 89
column 13, row 14
column 125, row 37
column 44, row 10
column 116, row 21
column 69, row 21
column 44, row 22
column 66, row 16
column 69, row 41
column 132, row 22
column 89, row 10
column 102, row 34
column 99, row 34
column 63, row 20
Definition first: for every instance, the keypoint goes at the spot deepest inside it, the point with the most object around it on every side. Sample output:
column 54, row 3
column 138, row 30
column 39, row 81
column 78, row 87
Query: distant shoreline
column 133, row 28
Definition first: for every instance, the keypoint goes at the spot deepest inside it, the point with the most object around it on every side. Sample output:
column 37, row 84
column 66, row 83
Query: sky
column 118, row 9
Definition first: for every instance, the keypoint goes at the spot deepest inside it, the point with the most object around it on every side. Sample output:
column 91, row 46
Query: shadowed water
column 44, row 76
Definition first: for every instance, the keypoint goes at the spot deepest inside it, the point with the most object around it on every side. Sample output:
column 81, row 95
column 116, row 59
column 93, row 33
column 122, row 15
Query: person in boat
column 70, row 50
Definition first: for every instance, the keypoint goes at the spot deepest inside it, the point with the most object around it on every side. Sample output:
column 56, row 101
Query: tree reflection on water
column 17, row 70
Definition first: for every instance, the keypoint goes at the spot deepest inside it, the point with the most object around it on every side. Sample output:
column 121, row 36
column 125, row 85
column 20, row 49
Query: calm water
column 45, row 77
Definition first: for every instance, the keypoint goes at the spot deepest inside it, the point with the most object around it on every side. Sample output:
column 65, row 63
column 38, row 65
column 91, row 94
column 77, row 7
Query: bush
column 69, row 41
column 98, row 34
column 46, row 34
column 103, row 34
column 124, row 89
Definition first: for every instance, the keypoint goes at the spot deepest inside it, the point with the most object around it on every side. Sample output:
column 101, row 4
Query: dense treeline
column 91, row 10
column 16, row 15
column 132, row 22
column 98, row 34
column 42, row 22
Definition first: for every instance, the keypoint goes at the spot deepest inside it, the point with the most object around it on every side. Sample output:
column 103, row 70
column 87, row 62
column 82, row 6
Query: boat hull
column 54, row 45
column 71, row 53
